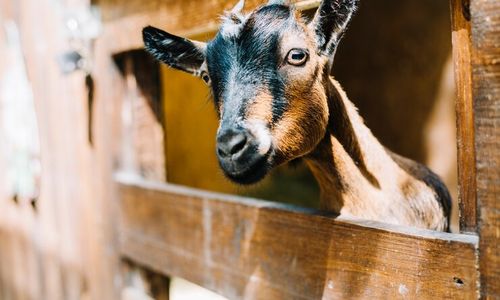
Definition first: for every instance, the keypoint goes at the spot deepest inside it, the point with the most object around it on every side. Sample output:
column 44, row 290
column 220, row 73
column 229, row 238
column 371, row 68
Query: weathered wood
column 109, row 97
column 242, row 248
column 125, row 19
column 117, row 9
column 234, row 247
column 142, row 146
column 140, row 283
column 143, row 115
column 44, row 247
column 461, row 39
column 19, row 252
column 485, row 22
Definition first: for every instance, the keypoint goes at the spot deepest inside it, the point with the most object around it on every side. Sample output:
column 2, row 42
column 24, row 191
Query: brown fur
column 295, row 134
column 402, row 195
column 357, row 175
column 300, row 111
column 261, row 106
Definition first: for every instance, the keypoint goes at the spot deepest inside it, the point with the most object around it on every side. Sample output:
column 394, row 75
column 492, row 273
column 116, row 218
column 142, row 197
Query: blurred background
column 394, row 63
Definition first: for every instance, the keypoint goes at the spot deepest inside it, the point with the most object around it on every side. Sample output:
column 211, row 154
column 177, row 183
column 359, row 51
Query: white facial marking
column 230, row 29
column 232, row 24
column 262, row 134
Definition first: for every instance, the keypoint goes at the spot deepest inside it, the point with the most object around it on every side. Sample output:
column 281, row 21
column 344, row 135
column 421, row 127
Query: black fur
column 243, row 59
column 333, row 16
column 254, row 53
column 177, row 52
column 263, row 40
column 220, row 53
column 432, row 180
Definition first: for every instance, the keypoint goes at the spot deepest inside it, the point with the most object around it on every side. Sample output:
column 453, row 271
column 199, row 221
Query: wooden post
column 72, row 235
column 51, row 243
column 461, row 39
column 485, row 24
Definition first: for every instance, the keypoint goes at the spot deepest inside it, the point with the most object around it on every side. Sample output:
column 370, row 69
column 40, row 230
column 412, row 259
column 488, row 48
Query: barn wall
column 62, row 246
column 56, row 244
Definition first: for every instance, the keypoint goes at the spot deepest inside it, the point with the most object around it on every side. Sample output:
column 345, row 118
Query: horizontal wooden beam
column 249, row 249
column 124, row 19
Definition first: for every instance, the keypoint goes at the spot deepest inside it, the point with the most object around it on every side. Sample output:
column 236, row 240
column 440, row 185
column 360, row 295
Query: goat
column 269, row 74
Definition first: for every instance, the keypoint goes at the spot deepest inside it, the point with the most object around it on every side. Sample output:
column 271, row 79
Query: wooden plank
column 143, row 141
column 485, row 22
column 461, row 39
column 144, row 122
column 117, row 9
column 125, row 19
column 104, row 259
column 66, row 249
column 52, row 239
column 249, row 249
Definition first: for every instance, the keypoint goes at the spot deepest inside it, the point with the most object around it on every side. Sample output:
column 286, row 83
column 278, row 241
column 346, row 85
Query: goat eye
column 205, row 77
column 297, row 57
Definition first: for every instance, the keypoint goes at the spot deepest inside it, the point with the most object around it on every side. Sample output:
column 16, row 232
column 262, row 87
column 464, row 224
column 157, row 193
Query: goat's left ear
column 330, row 23
column 175, row 51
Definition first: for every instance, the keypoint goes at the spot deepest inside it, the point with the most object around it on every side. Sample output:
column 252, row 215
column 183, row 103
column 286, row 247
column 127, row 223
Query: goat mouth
column 252, row 173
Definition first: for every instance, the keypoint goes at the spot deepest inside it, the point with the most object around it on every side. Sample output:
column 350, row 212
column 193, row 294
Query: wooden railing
column 252, row 249
column 245, row 248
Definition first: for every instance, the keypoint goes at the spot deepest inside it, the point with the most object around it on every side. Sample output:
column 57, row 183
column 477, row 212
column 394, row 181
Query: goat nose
column 231, row 142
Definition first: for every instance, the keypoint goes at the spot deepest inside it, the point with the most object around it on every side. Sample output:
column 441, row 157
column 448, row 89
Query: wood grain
column 142, row 146
column 64, row 248
column 248, row 249
column 43, row 250
column 143, row 134
column 125, row 19
column 461, row 39
column 485, row 24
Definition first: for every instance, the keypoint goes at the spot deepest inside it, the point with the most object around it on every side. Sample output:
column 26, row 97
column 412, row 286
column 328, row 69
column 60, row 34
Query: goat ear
column 330, row 23
column 177, row 52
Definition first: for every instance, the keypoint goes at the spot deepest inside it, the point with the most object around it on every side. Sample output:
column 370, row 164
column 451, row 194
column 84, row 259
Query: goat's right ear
column 177, row 52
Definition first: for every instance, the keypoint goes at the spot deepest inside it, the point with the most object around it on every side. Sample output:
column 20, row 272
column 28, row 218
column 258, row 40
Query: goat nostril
column 237, row 143
column 230, row 144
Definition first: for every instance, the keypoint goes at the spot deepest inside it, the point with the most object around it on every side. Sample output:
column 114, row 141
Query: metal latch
column 82, row 26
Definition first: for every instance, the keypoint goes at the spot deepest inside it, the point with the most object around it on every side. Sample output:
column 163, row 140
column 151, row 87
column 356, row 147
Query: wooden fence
column 238, row 247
